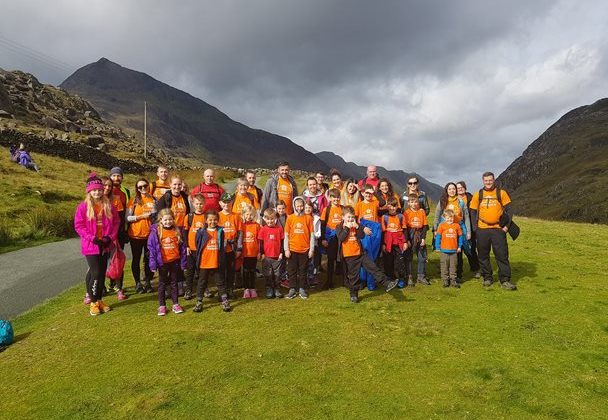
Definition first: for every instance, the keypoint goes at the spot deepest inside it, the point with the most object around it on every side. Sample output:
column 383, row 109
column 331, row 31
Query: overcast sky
column 444, row 88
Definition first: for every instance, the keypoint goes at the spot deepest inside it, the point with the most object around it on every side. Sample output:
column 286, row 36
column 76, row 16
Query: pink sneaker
column 253, row 293
column 247, row 294
column 120, row 295
column 87, row 299
column 162, row 311
column 177, row 309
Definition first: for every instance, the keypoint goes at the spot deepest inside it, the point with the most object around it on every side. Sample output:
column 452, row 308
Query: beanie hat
column 226, row 197
column 94, row 182
column 116, row 170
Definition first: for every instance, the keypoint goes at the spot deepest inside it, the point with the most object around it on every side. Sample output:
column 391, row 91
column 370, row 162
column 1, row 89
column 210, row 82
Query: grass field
column 427, row 352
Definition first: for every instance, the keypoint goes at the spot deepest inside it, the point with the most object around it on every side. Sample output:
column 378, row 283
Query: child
column 281, row 209
column 271, row 247
column 96, row 221
column 299, row 248
column 349, row 234
column 210, row 258
column 194, row 221
column 368, row 208
column 167, row 254
column 448, row 240
column 331, row 217
column 251, row 250
column 231, row 224
column 394, row 243
column 315, row 262
column 366, row 212
column 417, row 227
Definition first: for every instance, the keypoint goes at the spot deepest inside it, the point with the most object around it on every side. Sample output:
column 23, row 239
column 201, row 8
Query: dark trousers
column 353, row 266
column 296, row 269
column 394, row 261
column 421, row 254
column 96, row 275
column 203, row 280
column 137, row 247
column 271, row 268
column 228, row 271
column 190, row 271
column 168, row 274
column 496, row 240
column 472, row 257
column 332, row 268
column 249, row 264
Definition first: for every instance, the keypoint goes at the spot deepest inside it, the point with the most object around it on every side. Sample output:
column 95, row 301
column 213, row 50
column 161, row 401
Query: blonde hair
column 161, row 214
column 106, row 206
column 248, row 208
column 448, row 213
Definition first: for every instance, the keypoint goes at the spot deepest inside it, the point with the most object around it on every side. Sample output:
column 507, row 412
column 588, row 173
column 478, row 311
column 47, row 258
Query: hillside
column 181, row 122
column 397, row 177
column 563, row 174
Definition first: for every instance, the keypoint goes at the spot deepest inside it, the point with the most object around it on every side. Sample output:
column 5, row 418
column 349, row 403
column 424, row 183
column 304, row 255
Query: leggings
column 137, row 246
column 167, row 275
column 203, row 280
column 96, row 275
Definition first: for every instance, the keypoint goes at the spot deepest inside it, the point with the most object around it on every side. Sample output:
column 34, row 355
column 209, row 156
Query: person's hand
column 422, row 242
column 324, row 243
column 280, row 257
column 259, row 257
column 458, row 250
column 404, row 247
column 311, row 253
column 367, row 231
column 106, row 240
column 146, row 215
column 97, row 241
column 188, row 251
column 287, row 253
column 505, row 229
column 383, row 248
column 468, row 236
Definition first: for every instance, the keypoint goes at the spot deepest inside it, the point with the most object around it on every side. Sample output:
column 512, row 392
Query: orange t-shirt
column 299, row 228
column 141, row 228
column 178, row 207
column 231, row 223
column 350, row 247
column 251, row 246
column 368, row 211
column 241, row 200
column 387, row 197
column 210, row 254
column 253, row 190
column 415, row 219
column 490, row 210
column 285, row 193
column 198, row 221
column 161, row 189
column 392, row 223
column 117, row 203
column 454, row 205
column 449, row 235
column 169, row 245
column 98, row 210
column 122, row 197
column 334, row 217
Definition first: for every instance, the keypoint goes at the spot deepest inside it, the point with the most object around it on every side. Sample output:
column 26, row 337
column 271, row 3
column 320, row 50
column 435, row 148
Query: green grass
column 427, row 352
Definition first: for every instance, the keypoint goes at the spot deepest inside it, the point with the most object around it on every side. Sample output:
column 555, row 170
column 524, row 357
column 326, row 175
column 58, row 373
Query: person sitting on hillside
column 412, row 187
column 211, row 191
column 24, row 159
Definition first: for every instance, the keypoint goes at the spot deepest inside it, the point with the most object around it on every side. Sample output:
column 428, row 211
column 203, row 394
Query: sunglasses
column 412, row 183
column 142, row 186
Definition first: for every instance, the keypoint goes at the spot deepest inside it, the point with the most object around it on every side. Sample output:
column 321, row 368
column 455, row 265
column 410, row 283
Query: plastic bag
column 117, row 264
column 6, row 333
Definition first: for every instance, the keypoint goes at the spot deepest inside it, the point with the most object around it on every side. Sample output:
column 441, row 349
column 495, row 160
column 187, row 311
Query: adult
column 371, row 178
column 162, row 183
column 464, row 195
column 243, row 198
column 176, row 200
column 413, row 187
column 336, row 181
column 383, row 193
column 280, row 186
column 210, row 191
column 323, row 186
column 491, row 216
column 350, row 195
column 250, row 176
column 141, row 212
column 450, row 201
column 313, row 195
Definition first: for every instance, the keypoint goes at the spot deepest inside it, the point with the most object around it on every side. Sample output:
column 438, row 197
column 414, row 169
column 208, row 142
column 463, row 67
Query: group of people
column 210, row 235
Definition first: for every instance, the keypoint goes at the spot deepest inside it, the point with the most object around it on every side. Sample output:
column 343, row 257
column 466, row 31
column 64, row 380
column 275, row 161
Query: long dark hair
column 443, row 201
column 390, row 187
column 138, row 200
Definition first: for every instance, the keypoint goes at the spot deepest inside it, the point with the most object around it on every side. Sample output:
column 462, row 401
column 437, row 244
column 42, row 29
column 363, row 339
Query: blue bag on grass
column 6, row 333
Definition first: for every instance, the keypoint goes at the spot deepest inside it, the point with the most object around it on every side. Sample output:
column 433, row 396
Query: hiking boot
column 139, row 288
column 188, row 294
column 303, row 293
column 292, row 294
column 225, row 304
column 177, row 309
column 390, row 285
column 162, row 311
column 277, row 293
column 446, row 283
column 207, row 293
column 487, row 282
column 508, row 285
column 269, row 293
column 87, row 299
column 454, row 283
column 94, row 309
column 120, row 295
column 198, row 307
column 410, row 281
column 103, row 308
column 423, row 280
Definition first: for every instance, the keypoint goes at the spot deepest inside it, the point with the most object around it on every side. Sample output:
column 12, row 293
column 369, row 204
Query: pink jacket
column 86, row 229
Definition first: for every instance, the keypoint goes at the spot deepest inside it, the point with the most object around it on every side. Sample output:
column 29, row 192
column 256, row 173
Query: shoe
column 177, row 309
column 477, row 275
column 207, row 293
column 292, row 294
column 120, row 295
column 487, row 282
column 148, row 288
column 354, row 299
column 247, row 294
column 454, row 283
column 423, row 280
column 446, row 283
column 508, row 285
column 253, row 293
column 410, row 282
column 277, row 293
column 269, row 293
column 87, row 299
column 401, row 284
column 94, row 309
column 390, row 285
column 162, row 311
column 303, row 293
column 198, row 307
column 112, row 286
column 225, row 304
column 139, row 288
column 116, row 288
column 187, row 294
column 103, row 308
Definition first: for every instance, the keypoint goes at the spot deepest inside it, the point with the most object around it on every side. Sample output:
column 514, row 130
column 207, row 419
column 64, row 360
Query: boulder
column 95, row 140
column 50, row 122
column 86, row 131
column 5, row 114
column 72, row 127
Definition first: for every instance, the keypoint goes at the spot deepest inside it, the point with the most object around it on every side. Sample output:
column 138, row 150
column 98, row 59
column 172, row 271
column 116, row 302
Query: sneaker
column 120, row 295
column 198, row 307
column 139, row 288
column 354, row 299
column 207, row 293
column 225, row 304
column 188, row 294
column 477, row 274
column 292, row 294
column 508, row 285
column 487, row 282
column 446, row 283
column 162, row 311
column 148, row 288
column 269, row 293
column 423, row 280
column 87, row 299
column 177, row 309
column 116, row 288
column 277, row 293
column 410, row 282
column 103, row 308
column 94, row 309
column 454, row 283
column 303, row 293
column 247, row 294
column 401, row 284
column 253, row 293
column 390, row 285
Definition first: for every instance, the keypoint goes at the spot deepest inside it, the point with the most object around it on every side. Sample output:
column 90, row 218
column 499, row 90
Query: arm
column 438, row 241
column 467, row 220
column 427, row 207
column 80, row 224
column 115, row 224
column 286, row 245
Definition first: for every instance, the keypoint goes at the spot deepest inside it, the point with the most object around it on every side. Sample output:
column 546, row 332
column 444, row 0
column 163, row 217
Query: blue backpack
column 6, row 333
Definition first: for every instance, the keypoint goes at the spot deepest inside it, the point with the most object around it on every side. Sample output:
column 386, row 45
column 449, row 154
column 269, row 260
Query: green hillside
column 428, row 352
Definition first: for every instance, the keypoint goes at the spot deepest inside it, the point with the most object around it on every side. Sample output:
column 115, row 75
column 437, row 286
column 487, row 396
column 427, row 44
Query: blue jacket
column 201, row 239
column 156, row 258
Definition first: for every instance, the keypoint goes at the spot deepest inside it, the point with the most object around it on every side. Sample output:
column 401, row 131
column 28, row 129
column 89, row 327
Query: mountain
column 397, row 178
column 181, row 122
column 563, row 174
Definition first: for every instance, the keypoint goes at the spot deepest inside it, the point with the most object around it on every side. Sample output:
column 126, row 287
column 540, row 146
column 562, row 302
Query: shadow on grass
column 21, row 337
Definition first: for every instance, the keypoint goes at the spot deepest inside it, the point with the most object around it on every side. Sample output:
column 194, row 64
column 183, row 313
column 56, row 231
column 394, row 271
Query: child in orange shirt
column 299, row 248
column 251, row 250
column 368, row 208
column 417, row 227
column 231, row 224
column 194, row 221
column 330, row 219
column 394, row 243
column 448, row 240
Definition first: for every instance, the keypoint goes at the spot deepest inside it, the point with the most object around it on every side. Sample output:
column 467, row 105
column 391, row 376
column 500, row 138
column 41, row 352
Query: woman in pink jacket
column 96, row 222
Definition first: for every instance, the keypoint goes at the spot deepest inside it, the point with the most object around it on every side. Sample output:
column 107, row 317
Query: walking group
column 193, row 238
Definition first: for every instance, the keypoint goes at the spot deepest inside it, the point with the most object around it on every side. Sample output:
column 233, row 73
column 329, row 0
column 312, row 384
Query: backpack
column 504, row 219
column 399, row 216
column 6, row 333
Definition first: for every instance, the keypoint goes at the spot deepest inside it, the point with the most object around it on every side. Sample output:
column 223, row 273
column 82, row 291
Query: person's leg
column 176, row 273
column 399, row 262
column 148, row 273
column 389, row 263
column 163, row 280
column 203, row 278
column 302, row 265
column 483, row 252
column 137, row 247
column 220, row 282
column 452, row 269
column 93, row 285
column 444, row 264
column 501, row 253
column 292, row 271
column 267, row 272
column 352, row 266
column 370, row 266
column 422, row 256
column 190, row 269
column 459, row 266
column 472, row 256
column 229, row 272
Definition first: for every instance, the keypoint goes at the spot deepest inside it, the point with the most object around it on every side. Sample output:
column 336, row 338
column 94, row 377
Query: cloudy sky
column 444, row 88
